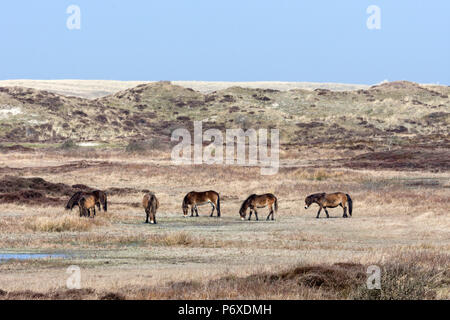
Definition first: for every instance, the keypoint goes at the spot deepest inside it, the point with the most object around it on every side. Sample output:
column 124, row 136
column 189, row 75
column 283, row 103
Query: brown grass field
column 400, row 222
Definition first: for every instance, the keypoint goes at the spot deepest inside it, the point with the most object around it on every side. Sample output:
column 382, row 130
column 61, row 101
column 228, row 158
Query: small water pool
column 30, row 256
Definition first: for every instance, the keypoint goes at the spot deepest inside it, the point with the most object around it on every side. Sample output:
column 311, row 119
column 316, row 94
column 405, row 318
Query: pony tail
column 157, row 203
column 350, row 204
column 276, row 204
column 154, row 204
column 218, row 205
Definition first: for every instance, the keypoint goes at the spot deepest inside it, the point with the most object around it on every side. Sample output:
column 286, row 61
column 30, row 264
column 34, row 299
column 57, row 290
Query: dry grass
column 318, row 174
column 62, row 224
column 414, row 276
column 395, row 213
column 401, row 279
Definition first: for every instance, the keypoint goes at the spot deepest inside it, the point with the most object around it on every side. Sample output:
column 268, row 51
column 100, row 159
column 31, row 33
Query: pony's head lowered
column 244, row 207
column 73, row 201
column 312, row 198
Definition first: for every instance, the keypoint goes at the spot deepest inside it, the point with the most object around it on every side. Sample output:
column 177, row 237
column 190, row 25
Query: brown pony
column 86, row 204
column 259, row 201
column 100, row 199
column 192, row 199
column 331, row 200
column 150, row 204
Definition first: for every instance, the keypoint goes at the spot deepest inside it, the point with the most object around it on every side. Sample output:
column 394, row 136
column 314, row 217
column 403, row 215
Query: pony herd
column 87, row 201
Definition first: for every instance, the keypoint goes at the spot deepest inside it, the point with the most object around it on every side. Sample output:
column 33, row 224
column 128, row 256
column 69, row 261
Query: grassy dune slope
column 384, row 116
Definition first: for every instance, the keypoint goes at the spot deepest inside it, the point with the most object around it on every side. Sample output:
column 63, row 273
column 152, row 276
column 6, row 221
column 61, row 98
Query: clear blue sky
column 232, row 40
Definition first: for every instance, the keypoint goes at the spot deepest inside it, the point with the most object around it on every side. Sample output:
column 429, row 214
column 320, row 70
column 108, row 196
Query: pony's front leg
column 196, row 211
column 326, row 211
column 250, row 215
column 147, row 212
column 318, row 213
column 192, row 211
column 256, row 214
column 94, row 213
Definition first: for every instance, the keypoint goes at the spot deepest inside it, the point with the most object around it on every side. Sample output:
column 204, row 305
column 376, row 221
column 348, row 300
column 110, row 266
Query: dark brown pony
column 86, row 204
column 331, row 200
column 259, row 201
column 150, row 204
column 100, row 199
column 193, row 199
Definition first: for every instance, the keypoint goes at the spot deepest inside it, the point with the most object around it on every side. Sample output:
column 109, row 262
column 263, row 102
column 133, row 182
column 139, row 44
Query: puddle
column 30, row 256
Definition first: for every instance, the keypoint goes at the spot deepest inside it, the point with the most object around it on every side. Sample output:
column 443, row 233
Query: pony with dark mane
column 193, row 199
column 331, row 200
column 100, row 199
column 150, row 204
column 259, row 201
column 86, row 203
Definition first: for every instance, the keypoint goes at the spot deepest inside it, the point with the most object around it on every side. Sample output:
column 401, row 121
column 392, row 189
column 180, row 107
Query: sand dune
column 99, row 88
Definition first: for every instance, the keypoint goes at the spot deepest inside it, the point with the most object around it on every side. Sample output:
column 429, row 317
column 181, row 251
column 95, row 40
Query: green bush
column 143, row 146
column 136, row 147
column 68, row 144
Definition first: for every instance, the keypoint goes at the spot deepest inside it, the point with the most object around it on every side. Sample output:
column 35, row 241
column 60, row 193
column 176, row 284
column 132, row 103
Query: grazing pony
column 100, row 199
column 193, row 199
column 331, row 200
column 150, row 204
column 87, row 203
column 259, row 201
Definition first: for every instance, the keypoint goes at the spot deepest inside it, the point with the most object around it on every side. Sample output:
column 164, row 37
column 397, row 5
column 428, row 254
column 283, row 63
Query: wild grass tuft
column 62, row 223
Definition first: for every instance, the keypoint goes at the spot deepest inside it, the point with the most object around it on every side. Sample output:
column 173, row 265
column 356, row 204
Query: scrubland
column 400, row 223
